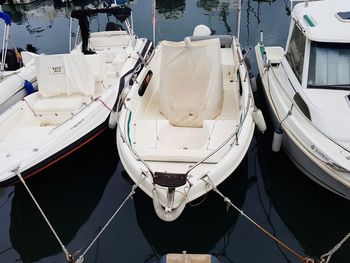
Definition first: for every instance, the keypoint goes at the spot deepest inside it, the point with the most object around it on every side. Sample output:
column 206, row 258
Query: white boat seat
column 225, row 40
column 100, row 40
column 229, row 67
column 274, row 54
column 157, row 140
column 66, row 74
column 62, row 103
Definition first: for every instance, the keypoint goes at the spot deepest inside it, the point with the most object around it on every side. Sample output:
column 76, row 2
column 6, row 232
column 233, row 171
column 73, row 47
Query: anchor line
column 325, row 258
column 132, row 192
column 228, row 201
column 69, row 257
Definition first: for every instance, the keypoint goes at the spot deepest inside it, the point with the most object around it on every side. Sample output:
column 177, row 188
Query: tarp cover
column 191, row 87
column 64, row 74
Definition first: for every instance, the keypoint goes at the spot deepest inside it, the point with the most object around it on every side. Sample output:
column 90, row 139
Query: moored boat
column 307, row 89
column 76, row 92
column 187, row 121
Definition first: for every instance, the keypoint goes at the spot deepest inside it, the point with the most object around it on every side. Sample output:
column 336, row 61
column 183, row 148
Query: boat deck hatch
column 343, row 16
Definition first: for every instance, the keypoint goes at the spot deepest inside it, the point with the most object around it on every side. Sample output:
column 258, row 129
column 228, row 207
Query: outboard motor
column 13, row 59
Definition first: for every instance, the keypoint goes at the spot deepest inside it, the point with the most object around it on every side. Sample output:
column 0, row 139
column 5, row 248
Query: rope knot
column 227, row 200
column 309, row 260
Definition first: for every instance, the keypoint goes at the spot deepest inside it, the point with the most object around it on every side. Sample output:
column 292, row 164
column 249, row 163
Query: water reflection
column 200, row 227
column 318, row 218
column 68, row 193
column 222, row 7
column 171, row 9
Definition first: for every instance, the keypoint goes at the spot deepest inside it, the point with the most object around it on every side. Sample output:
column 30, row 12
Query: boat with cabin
column 76, row 92
column 307, row 87
column 187, row 120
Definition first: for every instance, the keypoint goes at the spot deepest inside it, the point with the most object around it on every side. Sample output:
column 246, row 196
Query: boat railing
column 233, row 137
column 295, row 105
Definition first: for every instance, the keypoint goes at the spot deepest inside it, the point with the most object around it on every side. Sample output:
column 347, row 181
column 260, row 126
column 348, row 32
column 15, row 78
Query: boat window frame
column 306, row 78
column 299, row 76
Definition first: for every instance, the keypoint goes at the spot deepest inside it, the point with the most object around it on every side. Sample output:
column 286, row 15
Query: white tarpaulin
column 190, row 82
column 64, row 74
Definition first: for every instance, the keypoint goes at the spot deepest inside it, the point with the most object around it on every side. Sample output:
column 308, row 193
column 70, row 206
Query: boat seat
column 157, row 140
column 109, row 39
column 60, row 103
column 274, row 54
column 66, row 74
column 225, row 40
column 229, row 66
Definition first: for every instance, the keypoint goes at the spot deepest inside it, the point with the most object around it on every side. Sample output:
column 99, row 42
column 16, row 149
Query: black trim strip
column 55, row 157
column 147, row 47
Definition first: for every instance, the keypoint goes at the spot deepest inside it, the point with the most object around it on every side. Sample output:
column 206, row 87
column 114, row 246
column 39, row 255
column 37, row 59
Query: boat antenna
column 239, row 9
column 154, row 22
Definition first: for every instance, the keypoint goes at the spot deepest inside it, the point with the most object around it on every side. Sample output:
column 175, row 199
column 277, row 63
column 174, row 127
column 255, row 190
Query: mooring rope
column 68, row 255
column 132, row 192
column 228, row 201
column 325, row 258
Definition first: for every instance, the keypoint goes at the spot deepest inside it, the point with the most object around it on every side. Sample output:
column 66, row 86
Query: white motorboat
column 17, row 70
column 76, row 92
column 307, row 87
column 187, row 121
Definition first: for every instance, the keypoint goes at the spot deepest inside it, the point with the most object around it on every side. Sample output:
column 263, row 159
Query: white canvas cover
column 191, row 87
column 64, row 74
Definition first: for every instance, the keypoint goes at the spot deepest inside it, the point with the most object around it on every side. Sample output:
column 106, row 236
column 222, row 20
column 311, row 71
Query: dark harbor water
column 81, row 192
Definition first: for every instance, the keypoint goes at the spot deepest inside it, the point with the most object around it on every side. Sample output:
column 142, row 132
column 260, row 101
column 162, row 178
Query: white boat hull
column 308, row 148
column 12, row 85
column 150, row 147
column 42, row 129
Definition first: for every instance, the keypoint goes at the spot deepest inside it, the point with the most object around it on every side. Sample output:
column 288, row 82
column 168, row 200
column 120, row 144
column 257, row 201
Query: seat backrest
column 64, row 74
column 191, row 88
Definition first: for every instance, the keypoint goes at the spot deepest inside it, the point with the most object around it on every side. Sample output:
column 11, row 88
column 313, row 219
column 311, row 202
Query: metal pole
column 154, row 22
column 239, row 9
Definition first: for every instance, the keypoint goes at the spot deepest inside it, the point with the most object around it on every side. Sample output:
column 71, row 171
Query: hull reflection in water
column 317, row 218
column 68, row 193
column 200, row 228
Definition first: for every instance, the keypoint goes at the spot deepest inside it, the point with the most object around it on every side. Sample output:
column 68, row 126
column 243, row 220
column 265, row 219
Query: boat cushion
column 157, row 140
column 191, row 87
column 56, row 104
column 108, row 39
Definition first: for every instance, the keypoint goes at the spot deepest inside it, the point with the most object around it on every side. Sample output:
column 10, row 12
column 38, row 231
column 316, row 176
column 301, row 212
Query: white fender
column 259, row 120
column 252, row 80
column 113, row 118
column 277, row 140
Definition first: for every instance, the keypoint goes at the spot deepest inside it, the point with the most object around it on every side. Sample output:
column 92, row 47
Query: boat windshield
column 329, row 66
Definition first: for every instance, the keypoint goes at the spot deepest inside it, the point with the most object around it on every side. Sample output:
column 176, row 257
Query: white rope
column 228, row 202
column 132, row 192
column 68, row 256
column 325, row 258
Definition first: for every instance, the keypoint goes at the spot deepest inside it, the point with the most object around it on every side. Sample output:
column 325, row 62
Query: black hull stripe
column 57, row 156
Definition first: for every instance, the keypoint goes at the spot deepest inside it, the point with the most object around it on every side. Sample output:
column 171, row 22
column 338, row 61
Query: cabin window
column 295, row 52
column 329, row 65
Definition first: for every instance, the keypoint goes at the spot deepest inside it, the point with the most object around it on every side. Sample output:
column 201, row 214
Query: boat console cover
column 191, row 88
